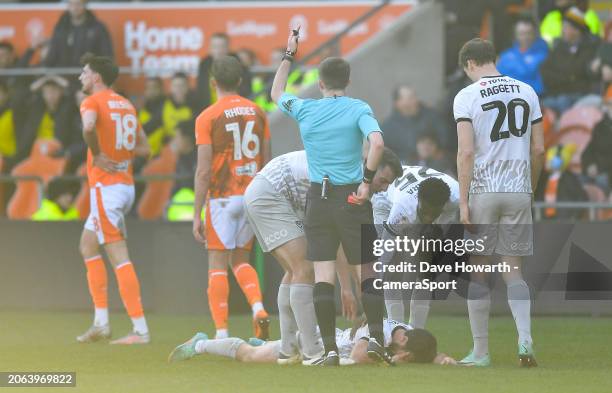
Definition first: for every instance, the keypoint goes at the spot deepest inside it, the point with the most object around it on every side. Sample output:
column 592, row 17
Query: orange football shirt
column 117, row 130
column 236, row 128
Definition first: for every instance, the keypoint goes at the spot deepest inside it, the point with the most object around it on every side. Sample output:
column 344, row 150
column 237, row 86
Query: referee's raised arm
column 339, row 212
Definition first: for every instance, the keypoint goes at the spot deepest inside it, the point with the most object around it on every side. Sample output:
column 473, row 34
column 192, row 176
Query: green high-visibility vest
column 552, row 25
column 181, row 206
column 50, row 211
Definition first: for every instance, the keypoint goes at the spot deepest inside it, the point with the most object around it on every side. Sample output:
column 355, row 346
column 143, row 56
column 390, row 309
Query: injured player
column 407, row 344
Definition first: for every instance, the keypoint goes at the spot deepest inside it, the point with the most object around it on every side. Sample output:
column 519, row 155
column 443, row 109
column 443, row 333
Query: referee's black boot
column 378, row 353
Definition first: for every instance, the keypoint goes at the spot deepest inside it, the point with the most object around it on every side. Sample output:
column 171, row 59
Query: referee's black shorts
column 333, row 221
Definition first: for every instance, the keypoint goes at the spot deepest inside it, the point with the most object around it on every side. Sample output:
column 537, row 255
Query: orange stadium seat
column 82, row 199
column 582, row 116
column 548, row 123
column 157, row 192
column 27, row 196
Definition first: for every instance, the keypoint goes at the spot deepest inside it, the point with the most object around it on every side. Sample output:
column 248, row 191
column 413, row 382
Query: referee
column 332, row 131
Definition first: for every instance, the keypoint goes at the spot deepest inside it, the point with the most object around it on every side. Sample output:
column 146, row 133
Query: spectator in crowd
column 410, row 119
column 219, row 46
column 9, row 59
column 602, row 65
column 77, row 32
column 150, row 114
column 559, row 184
column 183, row 196
column 463, row 22
column 7, row 56
column 11, row 118
column 247, row 57
column 551, row 27
column 597, row 156
column 524, row 59
column 262, row 82
column 59, row 202
column 50, row 115
column 430, row 155
column 566, row 71
column 180, row 105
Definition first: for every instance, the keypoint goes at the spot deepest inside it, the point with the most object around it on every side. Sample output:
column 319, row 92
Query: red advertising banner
column 175, row 35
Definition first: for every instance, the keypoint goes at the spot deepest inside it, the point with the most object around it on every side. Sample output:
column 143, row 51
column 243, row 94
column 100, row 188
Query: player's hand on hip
column 349, row 305
column 103, row 162
column 198, row 230
column 362, row 194
column 292, row 43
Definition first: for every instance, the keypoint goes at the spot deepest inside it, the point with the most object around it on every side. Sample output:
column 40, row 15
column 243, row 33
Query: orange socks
column 218, row 293
column 96, row 278
column 129, row 289
column 249, row 283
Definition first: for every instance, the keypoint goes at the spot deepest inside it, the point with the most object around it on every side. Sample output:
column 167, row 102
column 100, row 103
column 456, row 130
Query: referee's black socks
column 373, row 302
column 325, row 308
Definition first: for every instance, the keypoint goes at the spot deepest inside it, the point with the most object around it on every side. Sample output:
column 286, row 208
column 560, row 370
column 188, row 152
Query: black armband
column 368, row 175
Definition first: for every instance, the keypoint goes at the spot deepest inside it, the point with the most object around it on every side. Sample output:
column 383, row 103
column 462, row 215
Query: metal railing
column 592, row 208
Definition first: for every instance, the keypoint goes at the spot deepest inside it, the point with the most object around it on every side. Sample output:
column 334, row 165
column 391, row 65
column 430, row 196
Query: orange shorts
column 227, row 227
column 109, row 205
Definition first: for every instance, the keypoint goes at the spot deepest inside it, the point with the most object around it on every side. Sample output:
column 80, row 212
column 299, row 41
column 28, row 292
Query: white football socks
column 257, row 307
column 479, row 305
column 101, row 317
column 223, row 347
column 140, row 325
column 288, row 325
column 302, row 304
column 519, row 300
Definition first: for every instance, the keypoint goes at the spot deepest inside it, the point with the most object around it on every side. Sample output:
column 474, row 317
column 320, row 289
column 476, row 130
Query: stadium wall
column 410, row 51
column 41, row 269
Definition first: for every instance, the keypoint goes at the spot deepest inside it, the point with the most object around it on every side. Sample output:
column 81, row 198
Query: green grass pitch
column 574, row 354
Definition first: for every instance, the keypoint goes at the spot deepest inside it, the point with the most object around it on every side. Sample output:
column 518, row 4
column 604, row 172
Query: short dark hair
column 527, row 20
column 59, row 186
column 479, row 51
column 422, row 345
column 7, row 45
column 227, row 71
column 428, row 136
column 180, row 75
column 103, row 65
column 335, row 73
column 397, row 89
column 435, row 191
column 220, row 34
column 390, row 159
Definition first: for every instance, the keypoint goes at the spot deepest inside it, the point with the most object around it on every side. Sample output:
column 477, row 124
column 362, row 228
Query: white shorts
column 227, row 227
column 108, row 207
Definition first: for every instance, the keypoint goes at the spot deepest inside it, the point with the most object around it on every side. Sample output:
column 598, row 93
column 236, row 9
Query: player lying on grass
column 275, row 204
column 418, row 200
column 408, row 345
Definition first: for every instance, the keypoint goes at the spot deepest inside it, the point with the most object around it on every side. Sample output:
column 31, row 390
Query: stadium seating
column 581, row 116
column 28, row 193
column 157, row 192
column 82, row 199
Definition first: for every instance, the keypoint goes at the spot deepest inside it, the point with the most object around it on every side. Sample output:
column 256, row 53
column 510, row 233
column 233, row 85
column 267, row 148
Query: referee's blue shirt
column 332, row 130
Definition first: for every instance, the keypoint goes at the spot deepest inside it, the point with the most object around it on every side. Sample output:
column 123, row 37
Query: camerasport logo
column 250, row 28
column 180, row 45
